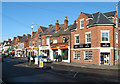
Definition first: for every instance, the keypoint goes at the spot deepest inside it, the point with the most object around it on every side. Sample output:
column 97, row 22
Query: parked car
column 32, row 58
column 1, row 59
column 45, row 58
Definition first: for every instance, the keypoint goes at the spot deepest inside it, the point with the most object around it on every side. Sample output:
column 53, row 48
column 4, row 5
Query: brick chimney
column 33, row 33
column 9, row 40
column 50, row 25
column 28, row 36
column 23, row 35
column 65, row 23
column 56, row 26
column 14, row 38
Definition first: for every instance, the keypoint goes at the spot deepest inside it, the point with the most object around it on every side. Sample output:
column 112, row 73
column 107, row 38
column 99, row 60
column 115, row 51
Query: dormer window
column 81, row 23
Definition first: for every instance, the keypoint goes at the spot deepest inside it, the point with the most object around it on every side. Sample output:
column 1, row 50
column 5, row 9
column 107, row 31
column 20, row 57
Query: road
column 15, row 70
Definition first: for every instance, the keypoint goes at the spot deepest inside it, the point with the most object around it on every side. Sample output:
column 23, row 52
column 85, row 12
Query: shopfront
column 105, row 53
column 63, row 51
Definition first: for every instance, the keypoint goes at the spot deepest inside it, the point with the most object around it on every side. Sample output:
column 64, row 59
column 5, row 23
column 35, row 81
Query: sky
column 17, row 17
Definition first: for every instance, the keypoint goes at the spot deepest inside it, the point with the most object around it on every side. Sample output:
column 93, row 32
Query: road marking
column 75, row 75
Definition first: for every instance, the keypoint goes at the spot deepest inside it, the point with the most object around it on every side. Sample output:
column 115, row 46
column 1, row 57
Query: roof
column 23, row 39
column 61, row 31
column 43, row 28
column 98, row 18
column 50, row 30
column 109, row 14
column 74, row 26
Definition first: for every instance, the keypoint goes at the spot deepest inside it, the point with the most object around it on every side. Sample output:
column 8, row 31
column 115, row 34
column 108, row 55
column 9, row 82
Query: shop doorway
column 64, row 54
column 104, row 58
column 54, row 53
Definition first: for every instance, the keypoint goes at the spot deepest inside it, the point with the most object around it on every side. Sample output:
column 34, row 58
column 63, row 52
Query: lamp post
column 31, row 42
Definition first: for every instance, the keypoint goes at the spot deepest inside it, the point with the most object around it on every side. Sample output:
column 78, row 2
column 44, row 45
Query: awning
column 63, row 47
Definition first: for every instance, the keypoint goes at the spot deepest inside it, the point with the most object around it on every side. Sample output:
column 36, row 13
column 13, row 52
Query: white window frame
column 54, row 41
column 42, row 41
column 47, row 41
column 86, row 36
column 116, row 38
column 80, row 23
column 76, row 53
column 85, row 56
column 75, row 38
column 108, row 36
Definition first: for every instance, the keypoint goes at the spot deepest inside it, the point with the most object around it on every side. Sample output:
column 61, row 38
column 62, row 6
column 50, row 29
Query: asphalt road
column 15, row 70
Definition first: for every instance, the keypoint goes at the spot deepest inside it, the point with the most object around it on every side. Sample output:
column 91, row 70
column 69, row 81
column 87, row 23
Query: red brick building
column 94, row 38
column 35, row 42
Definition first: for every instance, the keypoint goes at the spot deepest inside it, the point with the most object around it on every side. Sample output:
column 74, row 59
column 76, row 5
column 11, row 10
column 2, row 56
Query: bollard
column 40, row 65
column 36, row 60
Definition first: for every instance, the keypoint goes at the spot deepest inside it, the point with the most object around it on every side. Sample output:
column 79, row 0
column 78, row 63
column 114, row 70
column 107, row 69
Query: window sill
column 88, row 60
column 105, row 42
column 76, row 59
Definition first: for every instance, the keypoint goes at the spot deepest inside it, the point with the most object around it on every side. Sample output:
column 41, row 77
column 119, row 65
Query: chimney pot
column 56, row 26
column 65, row 23
column 50, row 25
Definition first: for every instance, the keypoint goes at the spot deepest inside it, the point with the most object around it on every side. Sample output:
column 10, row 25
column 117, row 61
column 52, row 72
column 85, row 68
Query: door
column 104, row 58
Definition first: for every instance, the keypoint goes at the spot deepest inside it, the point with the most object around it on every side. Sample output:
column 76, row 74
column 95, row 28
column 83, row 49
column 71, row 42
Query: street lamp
column 31, row 42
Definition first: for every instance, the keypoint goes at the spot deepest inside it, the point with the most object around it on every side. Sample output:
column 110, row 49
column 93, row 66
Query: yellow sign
column 41, row 63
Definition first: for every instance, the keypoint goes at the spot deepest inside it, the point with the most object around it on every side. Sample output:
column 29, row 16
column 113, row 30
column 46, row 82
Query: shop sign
column 105, row 44
column 28, row 48
column 35, row 48
column 82, row 46
column 63, row 47
column 54, row 48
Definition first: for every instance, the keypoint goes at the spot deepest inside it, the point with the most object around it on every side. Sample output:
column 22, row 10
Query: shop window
column 54, row 53
column 88, row 55
column 105, row 36
column 35, row 43
column 64, row 54
column 82, row 24
column 77, row 55
column 88, row 37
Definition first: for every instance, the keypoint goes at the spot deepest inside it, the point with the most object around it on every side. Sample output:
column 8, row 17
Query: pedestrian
column 56, row 57
column 59, row 58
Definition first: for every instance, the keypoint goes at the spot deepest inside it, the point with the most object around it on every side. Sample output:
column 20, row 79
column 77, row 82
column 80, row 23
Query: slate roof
column 23, row 39
column 109, row 14
column 61, row 31
column 43, row 28
column 98, row 18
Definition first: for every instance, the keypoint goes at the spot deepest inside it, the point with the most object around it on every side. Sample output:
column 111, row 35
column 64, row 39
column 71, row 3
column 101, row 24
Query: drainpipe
column 113, row 46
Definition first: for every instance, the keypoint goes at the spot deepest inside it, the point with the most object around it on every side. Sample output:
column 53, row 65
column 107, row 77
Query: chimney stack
column 28, row 36
column 14, row 38
column 33, row 33
column 50, row 25
column 65, row 23
column 56, row 26
column 23, row 35
column 9, row 40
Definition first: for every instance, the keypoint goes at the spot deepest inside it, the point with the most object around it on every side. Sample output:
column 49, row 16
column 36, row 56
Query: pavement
column 84, row 65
